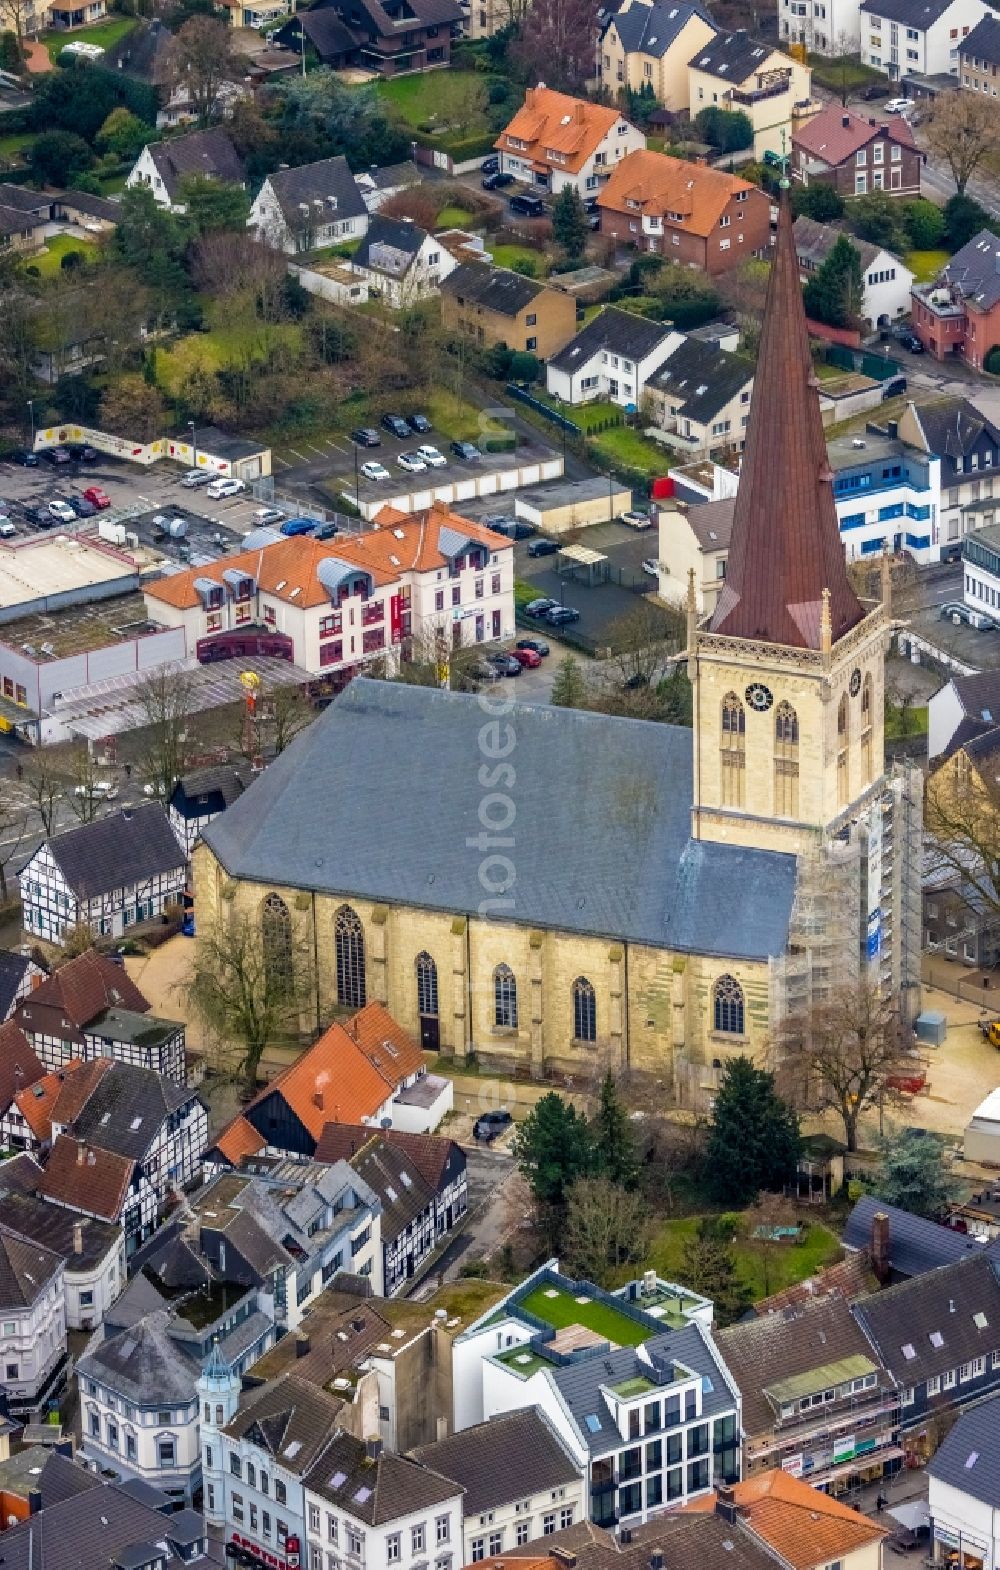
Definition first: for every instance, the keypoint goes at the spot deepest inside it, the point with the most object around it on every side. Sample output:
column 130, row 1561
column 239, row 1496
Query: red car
column 100, row 498
column 527, row 657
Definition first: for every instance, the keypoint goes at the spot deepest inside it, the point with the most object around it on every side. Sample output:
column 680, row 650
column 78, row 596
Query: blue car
column 298, row 526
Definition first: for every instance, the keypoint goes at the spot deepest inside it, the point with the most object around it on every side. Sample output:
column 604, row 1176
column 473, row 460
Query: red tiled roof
column 826, row 135
column 37, row 1101
column 800, row 1524
column 239, row 1139
column 550, row 120
column 85, row 987
column 427, row 1153
column 83, row 1178
column 19, row 1066
column 660, row 185
column 385, row 1044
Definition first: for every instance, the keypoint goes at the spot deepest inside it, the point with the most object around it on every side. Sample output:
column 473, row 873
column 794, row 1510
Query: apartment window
column 965, row 1372
column 393, row 1549
column 698, row 1476
column 565, row 1518
column 236, row 1505
column 235, row 1465
column 95, row 1425
column 548, row 1524
column 495, row 583
column 418, row 1536
column 933, row 1385
column 251, row 1475
column 860, row 184
column 332, row 1528
column 314, row 1518
column 522, row 1533
column 478, row 1549
column 948, row 1380
column 878, row 153
column 978, row 1367
column 165, row 1451
column 895, row 155
column 354, row 1544
column 496, row 1543
column 442, row 1529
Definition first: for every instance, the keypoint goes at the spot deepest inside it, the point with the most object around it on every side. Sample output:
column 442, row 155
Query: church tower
column 788, row 676
column 218, row 1387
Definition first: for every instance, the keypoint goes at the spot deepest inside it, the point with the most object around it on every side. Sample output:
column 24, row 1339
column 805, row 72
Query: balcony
column 757, row 95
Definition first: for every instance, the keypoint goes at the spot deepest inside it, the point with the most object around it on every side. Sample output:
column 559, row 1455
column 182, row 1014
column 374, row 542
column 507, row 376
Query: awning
column 911, row 1513
column 863, row 1462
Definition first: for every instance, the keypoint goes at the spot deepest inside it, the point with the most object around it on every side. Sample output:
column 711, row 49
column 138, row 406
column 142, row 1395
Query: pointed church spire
column 786, row 545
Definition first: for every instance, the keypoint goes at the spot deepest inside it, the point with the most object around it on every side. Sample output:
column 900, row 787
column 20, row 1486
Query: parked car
column 900, row 106
column 651, row 566
column 484, row 670
column 431, row 456
column 225, row 487
column 497, row 180
column 466, row 450
column 490, row 1124
column 527, row 206
column 912, row 342
column 395, row 425
column 419, row 424
column 7, row 529
column 326, row 531
column 375, row 471
column 195, row 477
column 99, row 497
column 106, row 790
column 637, row 520
column 513, row 528
column 27, row 460
column 561, row 615
column 365, row 436
column 533, row 646
column 57, row 455
column 507, row 664
column 293, row 526
column 62, row 510
column 529, row 658
column 490, row 165
column 542, row 547
column 82, row 507
column 83, row 452
column 412, row 463
column 265, row 515
column 539, row 607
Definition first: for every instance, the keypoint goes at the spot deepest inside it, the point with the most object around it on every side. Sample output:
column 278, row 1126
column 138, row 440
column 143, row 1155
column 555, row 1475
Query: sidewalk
column 38, row 58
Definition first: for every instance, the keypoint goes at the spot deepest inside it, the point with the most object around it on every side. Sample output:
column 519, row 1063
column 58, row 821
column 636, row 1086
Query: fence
column 544, row 409
column 264, row 490
column 878, row 366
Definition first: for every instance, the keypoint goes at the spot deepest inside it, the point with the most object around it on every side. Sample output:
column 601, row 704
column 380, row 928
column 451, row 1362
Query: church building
column 556, row 891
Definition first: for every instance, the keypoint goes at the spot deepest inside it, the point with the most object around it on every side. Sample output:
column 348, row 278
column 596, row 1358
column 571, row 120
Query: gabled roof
column 239, row 1139
column 786, row 560
column 704, row 377
column 836, row 133
column 920, row 14
column 548, row 121
column 814, row 242
column 495, row 288
column 420, row 13
column 376, row 1490
column 13, row 969
column 402, row 1192
column 126, row 1110
column 656, row 185
column 397, row 233
column 303, row 824
column 59, row 1095
column 19, row 1066
column 209, row 153
column 290, row 1419
column 22, row 199
column 321, row 181
column 953, row 428
column 968, row 1457
column 958, row 1305
column 95, row 1526
column 428, row 1153
column 328, row 34
column 83, row 988
column 983, row 43
column 803, row 1526
column 712, row 523
column 497, row 1462
column 975, row 269
column 117, row 852
column 735, row 56
column 979, row 695
column 916, row 1245
column 54, row 1227
column 82, row 1178
column 210, row 790
column 140, row 52
column 622, row 332
column 652, row 29
column 26, row 1268
column 760, row 1353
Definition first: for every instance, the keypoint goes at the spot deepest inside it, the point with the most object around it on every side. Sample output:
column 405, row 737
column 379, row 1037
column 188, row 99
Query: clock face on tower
column 855, row 682
column 758, row 696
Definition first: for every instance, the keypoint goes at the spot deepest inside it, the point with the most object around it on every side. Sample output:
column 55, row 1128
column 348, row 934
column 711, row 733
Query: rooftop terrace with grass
column 558, row 1307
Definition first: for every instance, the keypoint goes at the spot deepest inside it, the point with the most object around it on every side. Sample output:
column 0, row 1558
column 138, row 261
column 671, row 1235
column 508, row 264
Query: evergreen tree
column 836, row 294
column 963, row 219
column 709, row 1267
column 570, row 225
column 614, row 1146
column 553, row 1148
column 569, row 690
column 753, row 1142
column 915, row 1174
column 822, row 202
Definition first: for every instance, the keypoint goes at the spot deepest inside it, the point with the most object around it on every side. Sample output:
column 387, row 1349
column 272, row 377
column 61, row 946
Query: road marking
column 276, row 459
column 300, row 455
column 318, row 451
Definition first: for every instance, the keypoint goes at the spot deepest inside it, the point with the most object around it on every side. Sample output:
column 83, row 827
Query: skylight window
column 980, row 1321
column 338, row 1480
column 909, row 1351
column 936, row 1339
column 362, row 1496
column 593, row 1423
column 292, row 1450
column 971, row 1460
column 135, row 1123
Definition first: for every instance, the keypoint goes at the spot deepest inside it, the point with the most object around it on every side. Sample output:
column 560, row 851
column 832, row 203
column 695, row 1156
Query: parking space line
column 296, row 454
column 276, row 459
column 318, row 451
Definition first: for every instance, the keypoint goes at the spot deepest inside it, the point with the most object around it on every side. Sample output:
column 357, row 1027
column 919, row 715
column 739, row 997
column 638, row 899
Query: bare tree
column 45, row 784
column 962, row 819
column 644, row 641
column 245, row 992
column 605, row 1226
column 558, row 46
column 200, row 61
column 13, row 822
column 85, row 788
column 164, row 744
column 839, row 1054
column 963, row 129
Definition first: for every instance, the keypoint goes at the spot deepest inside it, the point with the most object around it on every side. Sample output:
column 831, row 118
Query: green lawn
column 785, row 1263
column 513, row 256
column 846, row 70
column 563, row 1309
column 104, row 34
column 925, row 265
column 909, row 721
column 623, row 445
column 210, row 351
column 456, row 420
column 11, row 147
column 437, row 98
column 588, row 416
column 454, row 217
column 49, row 263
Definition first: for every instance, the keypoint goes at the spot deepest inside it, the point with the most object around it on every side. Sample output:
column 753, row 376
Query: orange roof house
column 802, row 1526
column 556, row 140
column 694, row 214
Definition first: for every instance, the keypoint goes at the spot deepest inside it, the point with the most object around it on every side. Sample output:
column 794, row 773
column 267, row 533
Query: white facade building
column 888, row 497
column 310, row 206
column 380, row 1510
column 613, row 357
column 32, row 1323
column 826, row 27
column 963, row 1493
column 900, row 36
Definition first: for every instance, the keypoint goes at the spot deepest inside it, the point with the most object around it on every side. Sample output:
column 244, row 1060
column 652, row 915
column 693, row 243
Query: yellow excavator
column 990, row 1028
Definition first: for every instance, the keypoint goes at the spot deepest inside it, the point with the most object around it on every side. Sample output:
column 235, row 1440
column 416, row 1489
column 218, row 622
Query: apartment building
column 922, row 36
column 857, row 154
column 774, row 90
column 687, row 212
column 647, row 46
column 555, row 140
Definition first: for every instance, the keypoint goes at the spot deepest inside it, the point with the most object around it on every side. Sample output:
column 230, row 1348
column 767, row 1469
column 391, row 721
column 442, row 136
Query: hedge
column 459, row 148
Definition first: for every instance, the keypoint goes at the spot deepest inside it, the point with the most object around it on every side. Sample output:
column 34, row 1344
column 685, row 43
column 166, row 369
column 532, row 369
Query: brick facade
column 744, row 230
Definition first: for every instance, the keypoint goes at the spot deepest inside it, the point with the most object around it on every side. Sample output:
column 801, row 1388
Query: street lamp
column 357, row 480
column 194, row 446
column 31, row 416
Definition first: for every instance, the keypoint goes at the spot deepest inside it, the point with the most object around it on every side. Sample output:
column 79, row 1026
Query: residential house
column 857, row 154
column 110, row 1526
column 32, row 1324
column 37, row 1477
column 164, row 166
column 399, row 35
column 555, row 140
column 24, row 218
column 816, row 1400
column 142, row 55
column 93, row 1253
column 90, row 1008
column 201, row 795
column 959, row 313
column 887, row 280
column 701, row 396
column 959, row 921
column 356, row 1072
column 887, row 494
column 382, row 1508
column 400, row 262
column 439, row 1160
column 803, row 1527
column 965, row 707
column 979, row 57
column 97, row 1183
column 825, row 27
column 774, row 90
column 255, row 1465
column 646, row 47
column 312, row 205
column 613, row 356
column 901, row 1245
column 108, row 875
column 703, row 217
column 378, row 184
column 693, row 539
column 968, row 445
column 963, row 1492
column 20, row 974
column 514, row 1472
column 54, row 1097
column 491, row 305
column 19, row 1069
column 938, row 1335
column 903, row 37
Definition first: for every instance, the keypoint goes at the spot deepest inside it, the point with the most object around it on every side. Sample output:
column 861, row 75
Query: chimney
column 373, row 1449
column 845, row 121
column 578, row 111
column 34, row 1501
column 78, row 1237
column 302, row 1346
column 318, row 1099
column 725, row 1503
column 880, row 1246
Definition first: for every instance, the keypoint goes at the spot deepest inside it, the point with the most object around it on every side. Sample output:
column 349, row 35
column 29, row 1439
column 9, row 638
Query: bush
column 924, row 224
column 56, row 157
column 728, row 130
column 524, row 367
column 964, row 218
column 10, row 53
column 71, row 260
column 992, row 361
column 820, row 202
